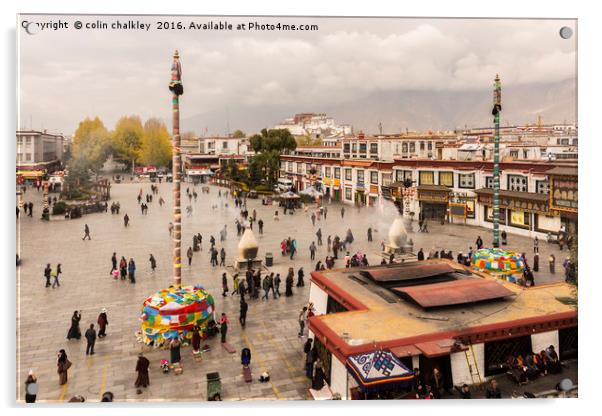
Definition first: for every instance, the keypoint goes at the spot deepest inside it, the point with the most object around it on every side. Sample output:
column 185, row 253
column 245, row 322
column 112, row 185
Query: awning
column 406, row 351
column 378, row 370
column 441, row 347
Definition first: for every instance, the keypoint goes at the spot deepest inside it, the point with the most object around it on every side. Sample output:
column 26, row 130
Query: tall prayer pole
column 175, row 86
column 497, row 108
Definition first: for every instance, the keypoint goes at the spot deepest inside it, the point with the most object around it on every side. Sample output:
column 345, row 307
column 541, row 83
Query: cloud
column 64, row 78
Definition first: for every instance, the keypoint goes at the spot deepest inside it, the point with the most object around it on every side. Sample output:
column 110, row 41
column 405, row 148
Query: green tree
column 307, row 140
column 276, row 139
column 239, row 134
column 156, row 149
column 127, row 140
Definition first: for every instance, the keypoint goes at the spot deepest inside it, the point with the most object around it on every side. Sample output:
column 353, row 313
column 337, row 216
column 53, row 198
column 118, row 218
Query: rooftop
column 378, row 315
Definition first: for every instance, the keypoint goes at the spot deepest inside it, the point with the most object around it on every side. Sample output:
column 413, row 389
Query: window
column 374, row 148
column 362, row 147
column 517, row 183
column 348, row 174
column 28, row 157
column 430, row 145
column 466, row 180
column 525, row 154
column 421, row 145
column 412, row 147
column 353, row 147
column 426, row 178
column 542, row 187
column 360, row 177
column 404, row 147
column 337, row 173
column 348, row 196
column 396, row 148
column 374, row 177
column 514, row 154
column 446, row 179
column 401, row 175
column 346, row 147
column 327, row 171
column 489, row 182
column 307, row 167
column 575, row 142
column 489, row 214
column 224, row 144
column 299, row 165
column 289, row 166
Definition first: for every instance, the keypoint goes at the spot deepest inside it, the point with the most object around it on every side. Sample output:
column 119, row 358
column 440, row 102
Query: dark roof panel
column 455, row 292
column 408, row 271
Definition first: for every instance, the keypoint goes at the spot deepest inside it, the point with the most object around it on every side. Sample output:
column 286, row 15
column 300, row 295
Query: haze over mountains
column 414, row 110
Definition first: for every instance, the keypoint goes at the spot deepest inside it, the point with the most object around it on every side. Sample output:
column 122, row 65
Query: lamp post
column 175, row 86
column 497, row 108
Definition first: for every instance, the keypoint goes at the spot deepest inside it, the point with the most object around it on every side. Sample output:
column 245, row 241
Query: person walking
column 223, row 329
column 302, row 319
column 113, row 263
column 290, row 279
column 47, row 274
column 312, row 250
column 74, row 331
column 214, row 257
column 102, row 321
column 235, row 285
column 174, row 351
column 266, row 287
column 313, row 219
column 293, row 248
column 31, row 388
column 142, row 366
column 224, row 285
column 63, row 364
column 369, row 234
column 30, row 205
column 300, row 275
column 342, row 212
column 91, row 339
column 189, row 255
column 86, row 232
column 126, row 220
column 479, row 242
column 504, row 237
column 153, row 263
column 123, row 267
column 420, row 255
column 552, row 261
column 277, row 285
column 319, row 236
column 244, row 307
column 55, row 275
column 260, row 225
column 222, row 257
column 132, row 271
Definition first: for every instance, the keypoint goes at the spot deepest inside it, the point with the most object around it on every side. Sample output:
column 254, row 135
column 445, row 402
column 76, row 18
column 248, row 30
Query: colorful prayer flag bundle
column 497, row 261
column 172, row 312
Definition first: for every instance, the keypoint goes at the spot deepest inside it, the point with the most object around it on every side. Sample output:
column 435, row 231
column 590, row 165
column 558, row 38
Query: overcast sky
column 66, row 75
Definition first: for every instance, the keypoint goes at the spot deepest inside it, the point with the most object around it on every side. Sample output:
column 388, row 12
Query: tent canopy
column 311, row 191
column 378, row 370
column 289, row 195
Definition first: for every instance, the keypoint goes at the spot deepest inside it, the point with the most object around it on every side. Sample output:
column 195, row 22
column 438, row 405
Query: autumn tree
column 127, row 140
column 156, row 144
column 89, row 150
column 307, row 140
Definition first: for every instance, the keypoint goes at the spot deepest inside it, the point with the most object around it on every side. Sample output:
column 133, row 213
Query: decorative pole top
column 497, row 95
column 175, row 85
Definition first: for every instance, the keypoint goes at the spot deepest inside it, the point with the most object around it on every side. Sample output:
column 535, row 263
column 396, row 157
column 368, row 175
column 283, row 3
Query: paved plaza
column 44, row 314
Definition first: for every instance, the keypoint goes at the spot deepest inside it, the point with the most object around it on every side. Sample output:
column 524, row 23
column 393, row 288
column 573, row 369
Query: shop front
column 522, row 212
column 433, row 201
column 564, row 197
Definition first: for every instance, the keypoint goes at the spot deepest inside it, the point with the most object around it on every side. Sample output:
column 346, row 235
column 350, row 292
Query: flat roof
column 374, row 318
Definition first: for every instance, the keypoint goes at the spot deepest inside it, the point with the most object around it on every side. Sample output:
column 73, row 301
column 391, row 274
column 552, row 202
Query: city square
column 271, row 331
column 428, row 261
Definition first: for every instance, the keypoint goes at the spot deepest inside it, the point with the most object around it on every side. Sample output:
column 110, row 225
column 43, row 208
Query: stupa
column 398, row 239
column 247, row 252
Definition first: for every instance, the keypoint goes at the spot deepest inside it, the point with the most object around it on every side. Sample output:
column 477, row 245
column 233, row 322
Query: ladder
column 473, row 367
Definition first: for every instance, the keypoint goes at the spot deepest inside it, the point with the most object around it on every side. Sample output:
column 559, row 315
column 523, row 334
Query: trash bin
column 214, row 387
column 269, row 259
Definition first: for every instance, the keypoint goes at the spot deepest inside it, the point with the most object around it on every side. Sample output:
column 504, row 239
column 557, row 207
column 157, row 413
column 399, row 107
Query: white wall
column 319, row 298
column 543, row 340
column 338, row 378
column 459, row 365
column 549, row 223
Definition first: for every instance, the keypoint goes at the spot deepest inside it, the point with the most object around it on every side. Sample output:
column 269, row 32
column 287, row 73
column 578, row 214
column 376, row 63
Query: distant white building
column 39, row 150
column 223, row 145
column 314, row 125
